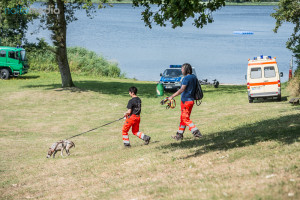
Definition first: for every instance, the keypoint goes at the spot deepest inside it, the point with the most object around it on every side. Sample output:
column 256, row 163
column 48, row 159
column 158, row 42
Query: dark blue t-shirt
column 190, row 81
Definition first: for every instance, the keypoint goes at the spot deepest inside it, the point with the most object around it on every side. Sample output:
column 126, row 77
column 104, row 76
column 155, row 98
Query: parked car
column 171, row 78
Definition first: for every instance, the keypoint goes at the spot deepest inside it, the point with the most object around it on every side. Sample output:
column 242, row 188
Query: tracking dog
column 60, row 146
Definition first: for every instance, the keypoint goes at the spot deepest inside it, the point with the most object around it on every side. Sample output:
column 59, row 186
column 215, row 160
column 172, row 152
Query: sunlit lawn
column 249, row 151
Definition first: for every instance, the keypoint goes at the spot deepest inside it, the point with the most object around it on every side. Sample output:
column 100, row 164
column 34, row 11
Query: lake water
column 119, row 34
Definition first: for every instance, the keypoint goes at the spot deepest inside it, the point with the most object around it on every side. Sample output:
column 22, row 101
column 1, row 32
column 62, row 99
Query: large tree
column 174, row 11
column 60, row 14
column 289, row 11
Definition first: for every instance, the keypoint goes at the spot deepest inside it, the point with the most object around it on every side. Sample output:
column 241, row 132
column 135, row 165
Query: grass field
column 249, row 151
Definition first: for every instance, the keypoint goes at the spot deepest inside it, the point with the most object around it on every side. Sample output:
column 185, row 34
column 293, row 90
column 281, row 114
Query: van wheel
column 250, row 99
column 279, row 98
column 4, row 74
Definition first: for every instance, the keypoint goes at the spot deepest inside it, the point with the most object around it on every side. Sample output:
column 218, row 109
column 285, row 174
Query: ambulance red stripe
column 264, row 83
column 263, row 63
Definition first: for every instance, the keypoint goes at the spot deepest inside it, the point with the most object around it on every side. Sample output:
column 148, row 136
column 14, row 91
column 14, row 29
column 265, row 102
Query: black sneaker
column 127, row 145
column 178, row 136
column 197, row 134
column 147, row 139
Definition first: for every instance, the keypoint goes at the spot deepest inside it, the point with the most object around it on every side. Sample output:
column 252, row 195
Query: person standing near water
column 187, row 91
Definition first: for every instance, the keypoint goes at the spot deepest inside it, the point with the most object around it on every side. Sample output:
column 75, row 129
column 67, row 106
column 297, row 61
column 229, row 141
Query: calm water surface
column 119, row 35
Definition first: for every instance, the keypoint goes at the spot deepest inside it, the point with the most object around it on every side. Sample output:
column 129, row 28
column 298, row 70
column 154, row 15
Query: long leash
column 95, row 128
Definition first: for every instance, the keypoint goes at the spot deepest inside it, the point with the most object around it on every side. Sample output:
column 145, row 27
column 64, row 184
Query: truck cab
column 263, row 78
column 171, row 77
column 13, row 62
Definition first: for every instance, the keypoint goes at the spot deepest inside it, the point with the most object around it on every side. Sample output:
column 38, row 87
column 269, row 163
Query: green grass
column 249, row 151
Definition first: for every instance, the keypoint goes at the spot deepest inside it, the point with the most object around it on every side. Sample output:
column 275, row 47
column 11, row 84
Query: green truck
column 13, row 62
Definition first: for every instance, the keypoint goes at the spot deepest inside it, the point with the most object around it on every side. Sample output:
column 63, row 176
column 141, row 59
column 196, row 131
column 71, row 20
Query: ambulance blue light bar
column 175, row 66
column 261, row 56
column 270, row 57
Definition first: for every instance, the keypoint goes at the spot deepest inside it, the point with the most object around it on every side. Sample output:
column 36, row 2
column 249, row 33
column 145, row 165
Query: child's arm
column 127, row 113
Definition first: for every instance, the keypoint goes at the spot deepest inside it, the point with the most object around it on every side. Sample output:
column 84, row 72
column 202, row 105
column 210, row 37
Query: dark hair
column 133, row 90
column 187, row 68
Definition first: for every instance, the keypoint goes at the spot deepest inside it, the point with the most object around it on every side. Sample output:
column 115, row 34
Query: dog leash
column 95, row 128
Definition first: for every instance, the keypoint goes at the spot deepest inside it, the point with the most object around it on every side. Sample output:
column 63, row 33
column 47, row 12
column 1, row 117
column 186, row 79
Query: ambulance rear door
column 255, row 79
column 271, row 77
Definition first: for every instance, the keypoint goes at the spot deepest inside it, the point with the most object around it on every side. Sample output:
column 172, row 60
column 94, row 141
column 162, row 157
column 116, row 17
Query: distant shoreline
column 227, row 3
column 252, row 4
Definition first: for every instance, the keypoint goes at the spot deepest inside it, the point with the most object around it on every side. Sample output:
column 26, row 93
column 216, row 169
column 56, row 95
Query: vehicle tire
column 4, row 74
column 279, row 97
column 216, row 85
column 250, row 99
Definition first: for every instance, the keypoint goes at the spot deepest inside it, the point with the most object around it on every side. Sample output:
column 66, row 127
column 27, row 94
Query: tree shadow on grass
column 25, row 77
column 263, row 100
column 112, row 88
column 121, row 88
column 229, row 89
column 284, row 129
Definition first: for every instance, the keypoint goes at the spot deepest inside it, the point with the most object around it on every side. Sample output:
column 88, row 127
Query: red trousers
column 134, row 122
column 186, row 110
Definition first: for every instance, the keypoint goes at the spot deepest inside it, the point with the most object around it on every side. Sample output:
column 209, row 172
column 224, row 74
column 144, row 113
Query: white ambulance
column 263, row 78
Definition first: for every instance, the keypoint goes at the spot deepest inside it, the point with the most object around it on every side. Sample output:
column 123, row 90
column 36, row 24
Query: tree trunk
column 63, row 64
column 61, row 47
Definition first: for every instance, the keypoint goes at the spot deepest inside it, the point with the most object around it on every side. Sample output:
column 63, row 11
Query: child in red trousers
column 133, row 119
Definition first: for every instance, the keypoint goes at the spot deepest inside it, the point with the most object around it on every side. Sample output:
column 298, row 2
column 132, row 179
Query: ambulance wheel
column 4, row 74
column 279, row 98
column 250, row 99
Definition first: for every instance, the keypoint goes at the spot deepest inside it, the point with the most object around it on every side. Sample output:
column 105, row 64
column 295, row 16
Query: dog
column 60, row 146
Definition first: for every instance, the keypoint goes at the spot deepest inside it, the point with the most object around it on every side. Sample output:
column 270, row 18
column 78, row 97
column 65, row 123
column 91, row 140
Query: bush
column 81, row 60
column 294, row 84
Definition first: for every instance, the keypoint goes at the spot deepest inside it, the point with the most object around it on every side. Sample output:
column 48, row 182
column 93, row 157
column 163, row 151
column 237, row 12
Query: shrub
column 81, row 60
column 294, row 84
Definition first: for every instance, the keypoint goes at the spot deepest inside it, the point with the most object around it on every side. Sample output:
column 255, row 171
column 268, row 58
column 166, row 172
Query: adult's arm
column 181, row 90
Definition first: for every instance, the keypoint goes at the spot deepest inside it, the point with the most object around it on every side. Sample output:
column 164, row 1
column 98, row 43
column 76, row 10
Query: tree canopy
column 289, row 11
column 178, row 11
column 14, row 21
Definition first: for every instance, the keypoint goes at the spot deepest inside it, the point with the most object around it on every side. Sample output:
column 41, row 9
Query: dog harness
column 54, row 146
